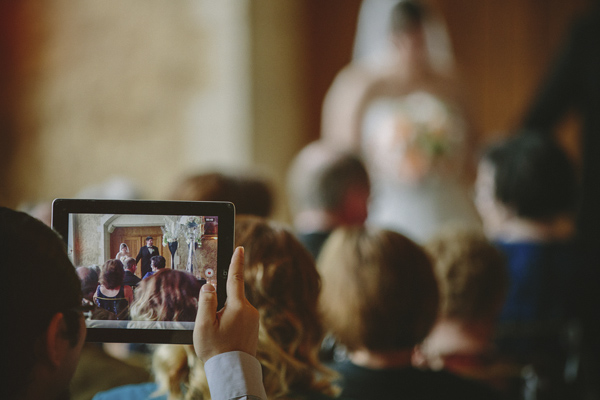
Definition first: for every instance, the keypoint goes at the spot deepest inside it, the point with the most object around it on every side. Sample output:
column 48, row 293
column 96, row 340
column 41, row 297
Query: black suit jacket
column 145, row 256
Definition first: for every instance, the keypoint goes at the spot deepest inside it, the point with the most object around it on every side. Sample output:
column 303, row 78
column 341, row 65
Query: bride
column 400, row 107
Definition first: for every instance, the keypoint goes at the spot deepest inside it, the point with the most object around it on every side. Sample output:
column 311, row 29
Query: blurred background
column 147, row 92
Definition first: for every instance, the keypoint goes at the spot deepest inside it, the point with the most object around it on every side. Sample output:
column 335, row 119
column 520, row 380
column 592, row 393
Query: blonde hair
column 379, row 291
column 282, row 282
column 472, row 274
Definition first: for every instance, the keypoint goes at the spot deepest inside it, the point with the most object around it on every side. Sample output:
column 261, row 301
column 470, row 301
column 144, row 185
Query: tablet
column 194, row 239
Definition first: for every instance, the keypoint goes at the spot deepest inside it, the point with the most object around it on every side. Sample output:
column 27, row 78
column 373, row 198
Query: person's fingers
column 207, row 306
column 235, row 277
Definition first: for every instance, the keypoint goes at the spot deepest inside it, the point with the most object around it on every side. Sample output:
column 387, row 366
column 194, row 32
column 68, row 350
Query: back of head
column 320, row 178
column 533, row 176
column 158, row 262
column 168, row 295
column 471, row 273
column 283, row 284
column 40, row 281
column 379, row 290
column 129, row 262
column 112, row 274
column 251, row 194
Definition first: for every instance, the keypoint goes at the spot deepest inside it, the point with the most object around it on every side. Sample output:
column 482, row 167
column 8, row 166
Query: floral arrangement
column 170, row 231
column 195, row 230
column 413, row 136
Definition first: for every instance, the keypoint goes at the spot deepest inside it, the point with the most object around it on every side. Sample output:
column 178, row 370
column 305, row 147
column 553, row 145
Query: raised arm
column 227, row 340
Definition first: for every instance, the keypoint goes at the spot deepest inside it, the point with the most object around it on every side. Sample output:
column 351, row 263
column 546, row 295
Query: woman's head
column 168, row 295
column 283, row 284
column 112, row 274
column 124, row 247
column 379, row 290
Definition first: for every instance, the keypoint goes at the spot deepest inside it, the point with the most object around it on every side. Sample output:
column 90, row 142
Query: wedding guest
column 146, row 253
column 130, row 278
column 249, row 192
column 112, row 294
column 526, row 194
column 380, row 299
column 473, row 281
column 89, row 281
column 156, row 263
column 41, row 353
column 283, row 284
column 327, row 188
column 168, row 295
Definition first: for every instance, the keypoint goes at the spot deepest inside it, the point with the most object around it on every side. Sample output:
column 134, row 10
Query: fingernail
column 208, row 287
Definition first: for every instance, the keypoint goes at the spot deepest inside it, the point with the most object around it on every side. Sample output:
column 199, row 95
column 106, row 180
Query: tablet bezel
column 225, row 211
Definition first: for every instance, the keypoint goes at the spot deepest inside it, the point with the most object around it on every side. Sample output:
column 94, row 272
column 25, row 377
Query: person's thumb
column 206, row 318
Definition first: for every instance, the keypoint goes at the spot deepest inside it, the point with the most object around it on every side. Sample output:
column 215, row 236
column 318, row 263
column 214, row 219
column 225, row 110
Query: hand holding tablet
column 235, row 326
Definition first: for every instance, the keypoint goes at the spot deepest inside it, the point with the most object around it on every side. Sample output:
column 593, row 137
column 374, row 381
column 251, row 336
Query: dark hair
column 112, row 274
column 129, row 262
column 407, row 16
column 89, row 279
column 320, row 177
column 149, row 238
column 159, row 262
column 533, row 176
column 38, row 286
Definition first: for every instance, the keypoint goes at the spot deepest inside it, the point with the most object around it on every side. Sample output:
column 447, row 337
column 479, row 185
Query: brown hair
column 282, row 282
column 250, row 194
column 471, row 272
column 379, row 291
column 168, row 295
column 112, row 274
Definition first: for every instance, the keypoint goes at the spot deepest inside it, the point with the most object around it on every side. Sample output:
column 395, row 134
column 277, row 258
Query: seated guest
column 168, row 295
column 112, row 294
column 327, row 188
column 283, row 284
column 473, row 280
column 89, row 281
column 130, row 278
column 156, row 263
column 379, row 300
column 250, row 193
column 525, row 194
column 45, row 338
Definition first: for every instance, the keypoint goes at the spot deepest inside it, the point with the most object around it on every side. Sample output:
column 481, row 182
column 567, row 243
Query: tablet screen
column 151, row 259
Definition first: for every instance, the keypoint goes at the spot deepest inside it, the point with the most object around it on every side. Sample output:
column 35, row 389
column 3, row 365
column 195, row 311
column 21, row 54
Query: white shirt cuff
column 234, row 375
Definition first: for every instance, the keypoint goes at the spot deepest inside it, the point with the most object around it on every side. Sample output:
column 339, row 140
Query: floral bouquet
column 413, row 136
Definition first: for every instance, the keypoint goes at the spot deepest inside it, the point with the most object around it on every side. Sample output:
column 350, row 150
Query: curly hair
column 283, row 284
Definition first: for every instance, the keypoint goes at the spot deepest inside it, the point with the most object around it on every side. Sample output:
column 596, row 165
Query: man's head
column 41, row 304
column 149, row 241
column 324, row 179
column 130, row 264
column 89, row 281
column 158, row 262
